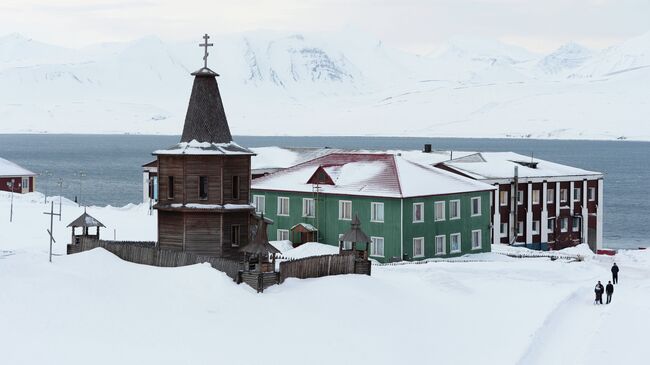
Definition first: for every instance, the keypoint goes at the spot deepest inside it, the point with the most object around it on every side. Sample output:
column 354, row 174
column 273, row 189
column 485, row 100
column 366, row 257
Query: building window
column 234, row 235
column 454, row 209
column 535, row 227
column 550, row 196
column 347, row 245
column 308, row 207
column 345, row 210
column 283, row 235
column 520, row 228
column 564, row 195
column 551, row 224
column 283, row 206
column 440, row 245
column 25, row 184
column 377, row 212
column 591, row 194
column 235, row 187
column 439, row 211
column 454, row 243
column 259, row 201
column 476, row 239
column 418, row 212
column 536, row 194
column 503, row 198
column 504, row 230
column 576, row 194
column 564, row 225
column 377, row 246
column 476, row 206
column 576, row 224
column 418, row 247
column 520, row 197
column 203, row 187
column 170, row 187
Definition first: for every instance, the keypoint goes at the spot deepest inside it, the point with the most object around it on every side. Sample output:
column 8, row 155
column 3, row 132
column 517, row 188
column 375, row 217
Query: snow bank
column 311, row 249
column 282, row 246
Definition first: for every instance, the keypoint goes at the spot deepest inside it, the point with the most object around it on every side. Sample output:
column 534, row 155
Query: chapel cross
column 205, row 45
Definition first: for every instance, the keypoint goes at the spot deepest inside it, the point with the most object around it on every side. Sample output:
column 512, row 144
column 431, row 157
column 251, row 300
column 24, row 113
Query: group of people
column 609, row 289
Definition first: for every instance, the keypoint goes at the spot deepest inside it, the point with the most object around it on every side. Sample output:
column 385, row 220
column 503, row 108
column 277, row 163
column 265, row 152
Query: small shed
column 355, row 241
column 85, row 222
column 305, row 232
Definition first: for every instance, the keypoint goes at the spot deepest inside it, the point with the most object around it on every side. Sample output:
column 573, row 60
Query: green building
column 409, row 210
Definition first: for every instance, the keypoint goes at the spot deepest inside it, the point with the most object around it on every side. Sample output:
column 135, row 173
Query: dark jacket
column 614, row 269
column 609, row 289
column 599, row 289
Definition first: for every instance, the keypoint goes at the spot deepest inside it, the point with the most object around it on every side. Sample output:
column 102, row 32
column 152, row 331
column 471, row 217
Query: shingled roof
column 205, row 120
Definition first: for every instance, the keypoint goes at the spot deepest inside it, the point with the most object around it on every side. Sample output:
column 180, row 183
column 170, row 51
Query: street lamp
column 81, row 174
column 60, row 184
column 45, row 175
column 10, row 184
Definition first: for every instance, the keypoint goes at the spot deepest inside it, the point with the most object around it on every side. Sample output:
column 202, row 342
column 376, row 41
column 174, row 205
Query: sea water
column 107, row 169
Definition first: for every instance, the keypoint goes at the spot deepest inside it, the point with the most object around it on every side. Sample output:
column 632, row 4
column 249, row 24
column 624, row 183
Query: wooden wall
column 170, row 230
column 203, row 233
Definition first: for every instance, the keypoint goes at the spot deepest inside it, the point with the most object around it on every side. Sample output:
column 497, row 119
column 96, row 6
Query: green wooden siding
column 330, row 226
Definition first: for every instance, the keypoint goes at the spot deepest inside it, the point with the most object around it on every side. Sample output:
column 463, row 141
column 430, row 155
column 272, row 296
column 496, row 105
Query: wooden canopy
column 355, row 234
column 260, row 244
column 86, row 220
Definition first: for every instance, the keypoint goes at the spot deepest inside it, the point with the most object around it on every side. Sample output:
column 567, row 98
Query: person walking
column 609, row 289
column 615, row 274
column 599, row 293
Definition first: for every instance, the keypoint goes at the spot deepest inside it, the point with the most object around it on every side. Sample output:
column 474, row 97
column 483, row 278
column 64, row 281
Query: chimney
column 427, row 148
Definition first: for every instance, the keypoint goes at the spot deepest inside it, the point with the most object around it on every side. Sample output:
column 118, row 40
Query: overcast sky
column 413, row 25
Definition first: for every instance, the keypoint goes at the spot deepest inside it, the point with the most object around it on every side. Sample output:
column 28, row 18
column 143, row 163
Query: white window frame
column 535, row 227
column 305, row 204
column 451, row 205
column 591, row 194
column 520, row 229
column 421, row 206
column 281, row 232
column 256, row 200
column 437, row 205
column 574, row 227
column 342, row 216
column 537, row 196
column 564, row 225
column 347, row 245
column 550, row 196
column 419, row 240
column 520, row 197
column 451, row 243
column 564, row 195
column 577, row 192
column 477, row 245
column 374, row 241
column 502, row 231
column 282, row 199
column 502, row 201
column 550, row 226
column 444, row 245
column 373, row 216
column 24, row 184
column 478, row 214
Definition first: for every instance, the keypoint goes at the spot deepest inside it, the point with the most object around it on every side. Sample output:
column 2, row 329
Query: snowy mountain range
column 330, row 84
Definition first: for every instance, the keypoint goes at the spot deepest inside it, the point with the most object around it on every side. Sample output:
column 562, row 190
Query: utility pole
column 51, row 230
column 10, row 184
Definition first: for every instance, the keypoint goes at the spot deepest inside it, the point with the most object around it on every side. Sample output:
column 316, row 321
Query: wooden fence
column 147, row 254
column 318, row 266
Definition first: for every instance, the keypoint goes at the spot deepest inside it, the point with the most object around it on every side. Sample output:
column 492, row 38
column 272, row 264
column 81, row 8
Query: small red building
column 16, row 178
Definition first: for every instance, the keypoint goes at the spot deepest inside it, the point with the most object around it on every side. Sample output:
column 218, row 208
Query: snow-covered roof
column 10, row 169
column 205, row 148
column 501, row 165
column 275, row 158
column 370, row 174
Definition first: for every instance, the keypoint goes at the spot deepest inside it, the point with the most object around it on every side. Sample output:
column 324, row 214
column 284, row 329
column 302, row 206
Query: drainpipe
column 401, row 229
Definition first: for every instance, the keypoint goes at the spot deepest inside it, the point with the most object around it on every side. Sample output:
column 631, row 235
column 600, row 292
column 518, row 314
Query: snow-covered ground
column 94, row 308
